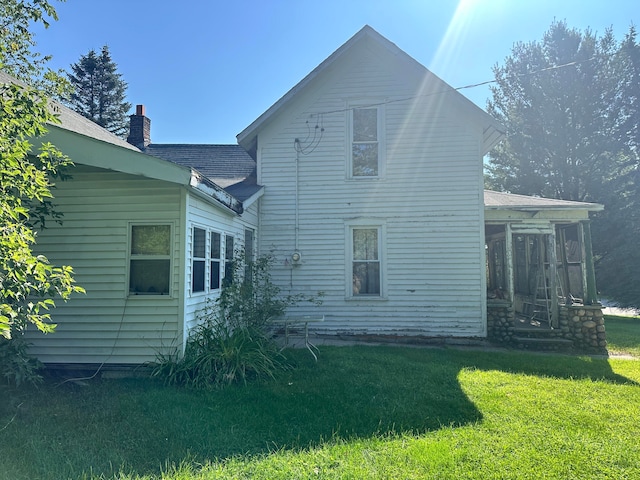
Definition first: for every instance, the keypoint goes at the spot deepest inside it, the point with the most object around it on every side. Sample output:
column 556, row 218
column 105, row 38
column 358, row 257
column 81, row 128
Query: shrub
column 16, row 366
column 231, row 342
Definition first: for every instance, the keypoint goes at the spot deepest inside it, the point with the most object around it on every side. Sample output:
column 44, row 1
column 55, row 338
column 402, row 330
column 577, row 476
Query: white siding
column 429, row 200
column 201, row 214
column 107, row 325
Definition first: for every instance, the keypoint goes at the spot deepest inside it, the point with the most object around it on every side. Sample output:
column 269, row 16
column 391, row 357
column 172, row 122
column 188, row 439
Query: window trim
column 131, row 256
column 382, row 237
column 208, row 259
column 378, row 104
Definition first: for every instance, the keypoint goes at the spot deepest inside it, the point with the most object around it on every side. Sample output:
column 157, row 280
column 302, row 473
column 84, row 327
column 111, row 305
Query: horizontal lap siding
column 430, row 201
column 106, row 325
column 203, row 215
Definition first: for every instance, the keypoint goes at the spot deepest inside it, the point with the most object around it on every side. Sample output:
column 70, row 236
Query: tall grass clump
column 231, row 343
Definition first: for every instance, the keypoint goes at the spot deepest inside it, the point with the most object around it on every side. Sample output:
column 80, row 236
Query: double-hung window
column 208, row 259
column 366, row 262
column 150, row 260
column 216, row 261
column 367, row 148
column 198, row 259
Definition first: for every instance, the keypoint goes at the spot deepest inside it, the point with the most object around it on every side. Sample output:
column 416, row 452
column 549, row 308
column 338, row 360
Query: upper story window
column 150, row 260
column 366, row 141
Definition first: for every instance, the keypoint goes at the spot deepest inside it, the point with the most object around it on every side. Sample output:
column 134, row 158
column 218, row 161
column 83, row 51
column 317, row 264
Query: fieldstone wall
column 500, row 321
column 584, row 325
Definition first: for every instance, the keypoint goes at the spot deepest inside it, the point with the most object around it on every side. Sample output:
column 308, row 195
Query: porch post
column 553, row 277
column 508, row 247
column 591, row 294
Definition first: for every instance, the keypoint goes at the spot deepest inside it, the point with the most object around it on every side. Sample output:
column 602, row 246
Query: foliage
column 28, row 282
column 570, row 107
column 99, row 92
column 17, row 45
column 231, row 342
column 16, row 366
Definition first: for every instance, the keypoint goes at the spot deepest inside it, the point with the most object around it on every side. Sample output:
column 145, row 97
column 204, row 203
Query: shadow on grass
column 355, row 392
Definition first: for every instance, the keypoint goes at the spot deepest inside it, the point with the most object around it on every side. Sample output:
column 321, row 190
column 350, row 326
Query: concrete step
column 539, row 343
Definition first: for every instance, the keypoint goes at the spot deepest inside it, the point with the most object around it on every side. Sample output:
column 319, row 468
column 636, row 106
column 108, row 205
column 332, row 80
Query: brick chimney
column 139, row 129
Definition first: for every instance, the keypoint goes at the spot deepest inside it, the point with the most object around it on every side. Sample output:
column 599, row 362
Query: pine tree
column 99, row 91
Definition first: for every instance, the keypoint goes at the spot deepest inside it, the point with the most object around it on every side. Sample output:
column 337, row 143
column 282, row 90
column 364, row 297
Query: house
column 364, row 182
column 373, row 173
column 149, row 240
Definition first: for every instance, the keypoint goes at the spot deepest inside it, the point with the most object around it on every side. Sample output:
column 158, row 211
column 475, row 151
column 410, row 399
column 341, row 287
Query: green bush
column 231, row 342
column 16, row 366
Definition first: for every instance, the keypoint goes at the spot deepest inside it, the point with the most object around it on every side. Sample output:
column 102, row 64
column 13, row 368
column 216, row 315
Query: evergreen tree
column 99, row 92
column 570, row 107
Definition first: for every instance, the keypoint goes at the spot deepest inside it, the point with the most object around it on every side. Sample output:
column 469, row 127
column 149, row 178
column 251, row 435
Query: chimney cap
column 140, row 110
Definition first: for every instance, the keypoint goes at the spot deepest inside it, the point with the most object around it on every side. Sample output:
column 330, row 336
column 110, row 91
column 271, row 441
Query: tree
column 28, row 282
column 570, row 127
column 99, row 92
column 17, row 43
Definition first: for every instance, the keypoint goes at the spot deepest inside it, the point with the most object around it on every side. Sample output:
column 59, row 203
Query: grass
column 623, row 334
column 360, row 412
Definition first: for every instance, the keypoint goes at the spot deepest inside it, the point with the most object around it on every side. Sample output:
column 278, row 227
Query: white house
column 148, row 239
column 364, row 182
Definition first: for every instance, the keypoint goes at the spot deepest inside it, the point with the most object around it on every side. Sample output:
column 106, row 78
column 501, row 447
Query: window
column 366, row 268
column 366, row 149
column 228, row 260
column 249, row 256
column 216, row 261
column 207, row 265
column 150, row 260
column 198, row 249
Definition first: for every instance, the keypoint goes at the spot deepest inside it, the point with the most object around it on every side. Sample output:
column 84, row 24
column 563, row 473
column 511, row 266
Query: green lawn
column 360, row 412
column 623, row 334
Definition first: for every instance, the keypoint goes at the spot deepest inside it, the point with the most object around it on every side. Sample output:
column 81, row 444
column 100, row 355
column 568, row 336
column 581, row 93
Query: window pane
column 365, row 244
column 150, row 239
column 197, row 276
column 365, row 124
column 214, row 280
column 149, row 276
column 365, row 159
column 228, row 250
column 199, row 243
column 366, row 278
column 215, row 245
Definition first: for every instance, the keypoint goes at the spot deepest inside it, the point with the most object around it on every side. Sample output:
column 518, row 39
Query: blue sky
column 205, row 69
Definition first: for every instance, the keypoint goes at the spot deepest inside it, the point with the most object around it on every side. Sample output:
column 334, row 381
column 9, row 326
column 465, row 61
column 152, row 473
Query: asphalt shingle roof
column 224, row 164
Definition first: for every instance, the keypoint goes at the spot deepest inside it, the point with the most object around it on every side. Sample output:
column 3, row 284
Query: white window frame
column 144, row 257
column 377, row 104
column 350, row 294
column 208, row 259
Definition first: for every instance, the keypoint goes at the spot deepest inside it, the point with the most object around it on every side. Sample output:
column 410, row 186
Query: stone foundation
column 500, row 321
column 583, row 325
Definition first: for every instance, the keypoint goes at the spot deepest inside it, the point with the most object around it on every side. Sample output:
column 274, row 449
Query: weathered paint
column 428, row 199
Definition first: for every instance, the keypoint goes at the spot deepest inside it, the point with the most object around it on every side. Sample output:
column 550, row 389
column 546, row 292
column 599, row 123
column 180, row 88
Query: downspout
column 591, row 294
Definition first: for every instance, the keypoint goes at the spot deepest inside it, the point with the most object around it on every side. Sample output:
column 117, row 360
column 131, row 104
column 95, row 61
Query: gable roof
column 89, row 144
column 511, row 201
column 73, row 121
column 493, row 131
